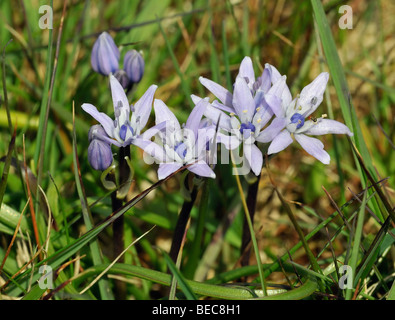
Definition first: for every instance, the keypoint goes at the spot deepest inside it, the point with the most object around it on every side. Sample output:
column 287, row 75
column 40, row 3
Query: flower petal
column 326, row 126
column 222, row 107
column 313, row 147
column 272, row 130
column 312, row 95
column 151, row 148
column 230, row 142
column 265, row 80
column 101, row 117
column 166, row 169
column 120, row 101
column 149, row 133
column 254, row 157
column 201, row 168
column 217, row 115
column 275, row 103
column 280, row 142
column 196, row 115
column 219, row 91
column 274, row 73
column 246, row 70
column 281, row 90
column 143, row 106
column 243, row 102
column 163, row 113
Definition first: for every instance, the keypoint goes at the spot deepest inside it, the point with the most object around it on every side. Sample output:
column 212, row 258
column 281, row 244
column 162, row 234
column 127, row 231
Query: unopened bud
column 99, row 154
column 105, row 55
column 133, row 64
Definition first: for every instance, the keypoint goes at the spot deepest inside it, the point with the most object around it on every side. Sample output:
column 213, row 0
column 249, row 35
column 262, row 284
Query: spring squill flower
column 244, row 113
column 105, row 55
column 129, row 119
column 293, row 119
column 178, row 145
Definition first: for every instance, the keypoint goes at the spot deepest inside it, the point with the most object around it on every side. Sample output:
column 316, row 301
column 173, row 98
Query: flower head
column 178, row 145
column 293, row 118
column 105, row 55
column 245, row 112
column 129, row 119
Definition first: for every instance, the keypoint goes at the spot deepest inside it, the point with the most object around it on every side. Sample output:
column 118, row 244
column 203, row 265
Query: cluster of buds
column 105, row 60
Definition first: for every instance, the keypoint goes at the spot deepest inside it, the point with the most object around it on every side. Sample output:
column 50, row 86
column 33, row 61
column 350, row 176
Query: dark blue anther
column 181, row 149
column 299, row 119
column 247, row 126
column 122, row 131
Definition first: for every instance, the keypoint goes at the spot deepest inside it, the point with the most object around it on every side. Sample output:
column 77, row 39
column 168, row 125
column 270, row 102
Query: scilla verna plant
column 241, row 118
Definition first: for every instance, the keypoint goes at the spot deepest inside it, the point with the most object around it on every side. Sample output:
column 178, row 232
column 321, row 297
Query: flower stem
column 118, row 224
column 246, row 237
column 252, row 233
column 182, row 221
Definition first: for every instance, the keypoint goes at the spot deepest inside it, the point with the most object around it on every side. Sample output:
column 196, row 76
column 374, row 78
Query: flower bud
column 99, row 154
column 122, row 78
column 105, row 55
column 95, row 132
column 133, row 64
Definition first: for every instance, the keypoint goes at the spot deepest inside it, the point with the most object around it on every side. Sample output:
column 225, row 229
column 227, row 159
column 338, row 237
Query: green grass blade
column 179, row 278
column 356, row 245
column 339, row 80
column 94, row 245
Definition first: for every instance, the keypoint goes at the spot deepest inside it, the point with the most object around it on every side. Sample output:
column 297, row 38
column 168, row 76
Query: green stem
column 250, row 226
column 203, row 289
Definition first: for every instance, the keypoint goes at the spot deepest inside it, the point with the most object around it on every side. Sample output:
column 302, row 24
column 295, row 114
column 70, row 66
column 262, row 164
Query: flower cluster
column 258, row 111
column 105, row 59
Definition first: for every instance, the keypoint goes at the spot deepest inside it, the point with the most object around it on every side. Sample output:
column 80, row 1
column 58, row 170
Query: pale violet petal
column 313, row 147
column 142, row 108
column 101, row 117
column 280, row 142
column 272, row 130
column 312, row 95
column 230, row 142
column 281, row 90
column 201, row 168
column 274, row 73
column 216, row 116
column 265, row 80
column 222, row 107
column 246, row 70
column 275, row 104
column 149, row 133
column 151, row 148
column 243, row 102
column 120, row 101
column 326, row 126
column 196, row 115
column 163, row 113
column 219, row 91
column 166, row 169
column 254, row 157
